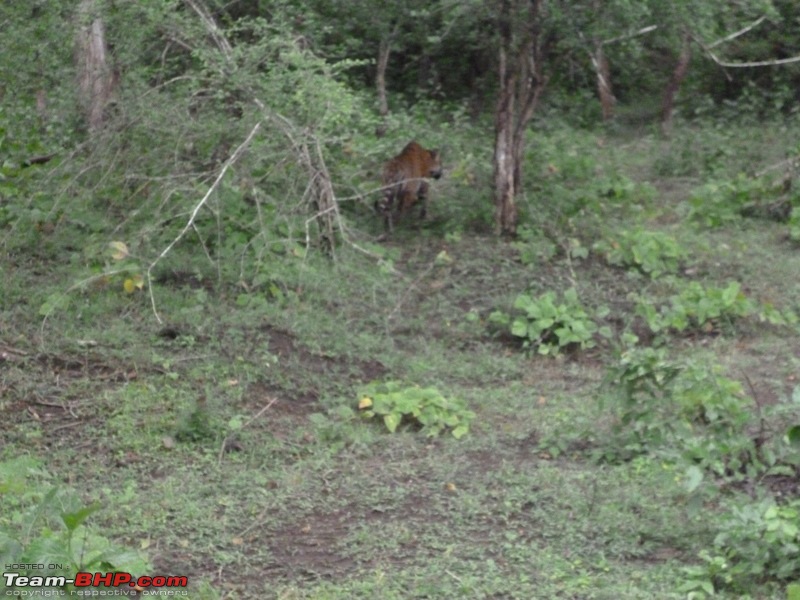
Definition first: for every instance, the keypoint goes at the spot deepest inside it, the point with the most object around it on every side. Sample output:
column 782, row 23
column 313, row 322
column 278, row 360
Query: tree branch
column 190, row 223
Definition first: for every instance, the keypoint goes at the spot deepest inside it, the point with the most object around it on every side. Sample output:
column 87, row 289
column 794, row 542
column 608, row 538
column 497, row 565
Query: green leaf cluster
column 651, row 252
column 549, row 324
column 719, row 203
column 697, row 307
column 664, row 404
column 46, row 524
column 756, row 540
column 396, row 403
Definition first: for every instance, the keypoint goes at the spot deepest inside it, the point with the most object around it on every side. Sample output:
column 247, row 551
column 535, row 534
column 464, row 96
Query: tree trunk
column 95, row 77
column 521, row 85
column 505, row 214
column 604, row 90
column 674, row 85
column 380, row 83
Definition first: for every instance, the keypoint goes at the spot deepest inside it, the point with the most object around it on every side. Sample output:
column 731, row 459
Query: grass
column 220, row 445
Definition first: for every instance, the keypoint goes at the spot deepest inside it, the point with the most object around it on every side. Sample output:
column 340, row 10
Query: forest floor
column 224, row 444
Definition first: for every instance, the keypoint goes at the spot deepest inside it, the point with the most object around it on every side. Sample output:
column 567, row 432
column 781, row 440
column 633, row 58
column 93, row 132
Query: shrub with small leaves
column 426, row 408
column 720, row 202
column 680, row 407
column 757, row 540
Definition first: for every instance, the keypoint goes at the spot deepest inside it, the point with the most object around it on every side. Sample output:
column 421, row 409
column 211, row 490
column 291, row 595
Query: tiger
column 404, row 182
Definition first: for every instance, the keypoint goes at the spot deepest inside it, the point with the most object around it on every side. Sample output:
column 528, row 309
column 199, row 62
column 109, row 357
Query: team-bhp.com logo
column 17, row 584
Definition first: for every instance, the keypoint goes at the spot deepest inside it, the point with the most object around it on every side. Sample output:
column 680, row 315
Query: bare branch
column 742, row 65
column 190, row 223
column 733, row 36
column 750, row 65
column 627, row 36
column 219, row 39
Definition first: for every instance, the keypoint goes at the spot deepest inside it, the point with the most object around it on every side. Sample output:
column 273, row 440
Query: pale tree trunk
column 604, row 90
column 505, row 214
column 521, row 85
column 380, row 83
column 95, row 76
column 674, row 85
column 384, row 50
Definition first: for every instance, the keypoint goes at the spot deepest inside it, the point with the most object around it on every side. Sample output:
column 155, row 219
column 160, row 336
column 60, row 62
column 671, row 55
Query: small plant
column 47, row 525
column 794, row 225
column 426, row 408
column 650, row 252
column 702, row 308
column 756, row 541
column 548, row 325
column 196, row 424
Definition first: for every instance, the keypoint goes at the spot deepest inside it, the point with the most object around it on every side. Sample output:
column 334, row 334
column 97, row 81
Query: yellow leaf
column 450, row 486
column 134, row 283
column 119, row 250
column 237, row 541
column 144, row 544
column 365, row 402
column 443, row 258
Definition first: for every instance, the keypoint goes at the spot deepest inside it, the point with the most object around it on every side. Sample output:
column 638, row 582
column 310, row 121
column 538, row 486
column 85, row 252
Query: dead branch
column 628, row 36
column 736, row 34
column 742, row 65
column 219, row 39
column 793, row 162
column 227, row 439
column 190, row 223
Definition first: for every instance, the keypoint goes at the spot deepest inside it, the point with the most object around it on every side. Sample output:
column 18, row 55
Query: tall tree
column 522, row 81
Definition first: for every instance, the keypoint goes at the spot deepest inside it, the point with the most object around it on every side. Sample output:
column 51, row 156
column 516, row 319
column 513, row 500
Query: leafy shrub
column 721, row 202
column 698, row 307
column 548, row 325
column 426, row 408
column 756, row 541
column 651, row 252
column 43, row 524
column 682, row 408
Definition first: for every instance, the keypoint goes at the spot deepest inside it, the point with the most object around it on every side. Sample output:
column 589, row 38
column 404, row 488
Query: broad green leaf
column 75, row 519
column 392, row 420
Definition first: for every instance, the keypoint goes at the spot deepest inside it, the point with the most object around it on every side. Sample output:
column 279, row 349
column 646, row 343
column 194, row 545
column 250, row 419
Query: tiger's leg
column 385, row 206
column 422, row 196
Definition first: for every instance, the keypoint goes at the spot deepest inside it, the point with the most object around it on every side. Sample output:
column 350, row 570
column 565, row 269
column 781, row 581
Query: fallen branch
column 252, row 419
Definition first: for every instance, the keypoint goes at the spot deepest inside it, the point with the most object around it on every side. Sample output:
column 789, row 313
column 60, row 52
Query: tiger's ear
column 434, row 153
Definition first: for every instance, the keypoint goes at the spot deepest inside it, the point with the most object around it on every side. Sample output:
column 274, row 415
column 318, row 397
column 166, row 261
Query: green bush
column 697, row 307
column 756, row 541
column 550, row 325
column 721, row 202
column 650, row 252
column 426, row 408
column 680, row 408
